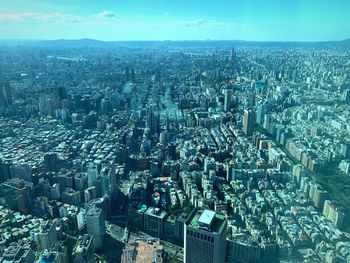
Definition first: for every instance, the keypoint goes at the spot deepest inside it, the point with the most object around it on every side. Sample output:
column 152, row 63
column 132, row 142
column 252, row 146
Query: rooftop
column 199, row 219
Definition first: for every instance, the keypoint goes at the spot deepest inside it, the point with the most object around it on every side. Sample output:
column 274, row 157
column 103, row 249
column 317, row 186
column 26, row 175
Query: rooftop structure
column 207, row 220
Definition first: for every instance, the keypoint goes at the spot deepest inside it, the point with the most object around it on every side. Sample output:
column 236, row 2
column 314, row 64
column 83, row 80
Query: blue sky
column 261, row 20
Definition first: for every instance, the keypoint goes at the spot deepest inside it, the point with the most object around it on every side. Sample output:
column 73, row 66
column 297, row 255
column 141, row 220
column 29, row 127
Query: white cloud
column 40, row 18
column 105, row 14
column 202, row 22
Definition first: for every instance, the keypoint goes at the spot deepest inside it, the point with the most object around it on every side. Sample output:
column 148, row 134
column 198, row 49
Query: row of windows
column 200, row 236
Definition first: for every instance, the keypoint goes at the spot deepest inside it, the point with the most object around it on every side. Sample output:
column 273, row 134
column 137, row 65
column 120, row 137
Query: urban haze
column 161, row 135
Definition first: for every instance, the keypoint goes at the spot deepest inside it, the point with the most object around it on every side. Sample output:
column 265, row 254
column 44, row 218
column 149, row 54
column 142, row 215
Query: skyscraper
column 346, row 96
column 95, row 224
column 127, row 74
column 260, row 114
column 92, row 174
column 248, row 122
column 5, row 94
column 227, row 100
column 83, row 251
column 233, row 54
column 205, row 237
column 60, row 93
column 18, row 194
column 47, row 235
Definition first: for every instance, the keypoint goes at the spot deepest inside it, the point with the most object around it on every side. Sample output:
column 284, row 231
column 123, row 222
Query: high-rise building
column 132, row 75
column 346, row 96
column 333, row 213
column 154, row 219
column 260, row 114
column 83, row 251
column 267, row 122
column 60, row 93
column 229, row 170
column 18, row 254
column 127, row 73
column 92, row 174
column 227, row 100
column 205, row 237
column 243, row 248
column 47, row 235
column 5, row 94
column 233, row 54
column 89, row 194
column 95, row 224
column 50, row 162
column 59, row 248
column 248, row 122
column 18, row 194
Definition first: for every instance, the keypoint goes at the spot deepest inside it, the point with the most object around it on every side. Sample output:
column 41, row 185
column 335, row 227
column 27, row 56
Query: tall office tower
column 152, row 120
column 248, row 122
column 50, row 162
column 132, row 75
column 5, row 172
column 260, row 114
column 105, row 182
column 95, row 224
column 227, row 100
column 59, row 248
column 5, row 94
column 60, row 93
column 205, row 237
column 229, row 170
column 83, row 251
column 18, row 194
column 251, row 98
column 346, row 96
column 127, row 73
column 89, row 194
column 92, row 174
column 47, row 235
column 233, row 54
column 267, row 122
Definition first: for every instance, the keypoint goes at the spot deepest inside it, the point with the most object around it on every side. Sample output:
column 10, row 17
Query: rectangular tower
column 205, row 237
column 248, row 122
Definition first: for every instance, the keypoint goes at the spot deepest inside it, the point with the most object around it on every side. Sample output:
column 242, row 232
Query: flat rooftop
column 217, row 220
column 206, row 217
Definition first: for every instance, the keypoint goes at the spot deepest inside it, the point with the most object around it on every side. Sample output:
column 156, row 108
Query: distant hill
column 80, row 43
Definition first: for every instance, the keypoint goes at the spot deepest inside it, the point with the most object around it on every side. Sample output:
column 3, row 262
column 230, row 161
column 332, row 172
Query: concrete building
column 242, row 248
column 248, row 122
column 18, row 254
column 227, row 100
column 5, row 94
column 18, row 194
column 154, row 219
column 47, row 235
column 205, row 237
column 95, row 223
column 333, row 213
column 83, row 251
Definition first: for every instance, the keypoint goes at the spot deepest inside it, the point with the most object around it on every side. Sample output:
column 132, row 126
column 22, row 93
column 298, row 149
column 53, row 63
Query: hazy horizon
column 168, row 40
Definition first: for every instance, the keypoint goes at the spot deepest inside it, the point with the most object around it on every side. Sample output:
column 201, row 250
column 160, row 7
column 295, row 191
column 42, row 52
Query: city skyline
column 159, row 20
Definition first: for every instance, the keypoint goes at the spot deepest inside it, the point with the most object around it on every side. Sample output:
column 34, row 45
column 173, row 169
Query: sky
column 114, row 20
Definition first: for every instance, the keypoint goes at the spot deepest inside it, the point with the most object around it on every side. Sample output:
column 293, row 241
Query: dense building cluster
column 171, row 153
